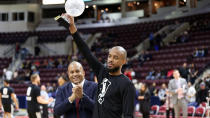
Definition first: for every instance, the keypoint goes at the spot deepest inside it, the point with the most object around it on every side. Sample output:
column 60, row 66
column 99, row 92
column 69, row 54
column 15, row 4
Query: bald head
column 120, row 50
column 76, row 72
column 75, row 64
column 116, row 59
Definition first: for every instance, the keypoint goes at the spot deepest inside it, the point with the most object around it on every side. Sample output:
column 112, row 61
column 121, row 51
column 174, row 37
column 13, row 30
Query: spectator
column 8, row 74
column 62, row 80
column 158, row 75
column 151, row 75
column 17, row 50
column 191, row 95
column 27, row 74
column 44, row 64
column 144, row 101
column 162, row 94
column 163, row 74
column 49, row 88
column 169, row 105
column 37, row 63
column 24, row 52
column 129, row 72
column 54, row 87
column 144, row 56
column 200, row 52
column 50, row 64
column 153, row 90
column 27, row 65
column 202, row 94
column 204, row 50
column 193, row 73
column 60, row 63
column 147, row 56
column 158, row 39
column 151, row 40
column 184, row 71
column 141, row 57
column 35, row 71
column 207, row 81
column 58, row 76
column 183, row 38
column 45, row 96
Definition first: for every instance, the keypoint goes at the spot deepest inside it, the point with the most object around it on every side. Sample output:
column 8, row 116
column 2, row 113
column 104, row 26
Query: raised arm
column 83, row 48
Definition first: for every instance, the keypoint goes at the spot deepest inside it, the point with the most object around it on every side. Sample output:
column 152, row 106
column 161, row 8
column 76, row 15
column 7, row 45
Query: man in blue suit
column 76, row 98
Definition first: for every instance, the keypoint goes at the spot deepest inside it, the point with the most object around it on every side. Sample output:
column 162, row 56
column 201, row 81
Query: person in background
column 202, row 94
column 62, row 80
column 184, row 71
column 169, row 105
column 34, row 99
column 49, row 88
column 151, row 75
column 162, row 94
column 191, row 95
column 17, row 49
column 158, row 75
column 178, row 87
column 144, row 101
column 153, row 91
column 45, row 96
column 193, row 73
column 6, row 97
column 129, row 73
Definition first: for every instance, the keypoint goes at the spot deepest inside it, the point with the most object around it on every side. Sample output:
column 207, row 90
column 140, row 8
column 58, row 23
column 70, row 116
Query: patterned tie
column 77, row 107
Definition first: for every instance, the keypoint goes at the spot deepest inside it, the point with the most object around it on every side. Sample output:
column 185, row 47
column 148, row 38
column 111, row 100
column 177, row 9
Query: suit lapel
column 70, row 89
column 85, row 87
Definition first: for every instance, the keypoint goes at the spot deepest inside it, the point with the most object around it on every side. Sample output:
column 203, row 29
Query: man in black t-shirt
column 34, row 98
column 116, row 93
column 6, row 97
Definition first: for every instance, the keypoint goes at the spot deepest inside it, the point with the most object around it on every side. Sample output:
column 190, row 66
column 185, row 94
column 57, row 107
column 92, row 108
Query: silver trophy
column 73, row 8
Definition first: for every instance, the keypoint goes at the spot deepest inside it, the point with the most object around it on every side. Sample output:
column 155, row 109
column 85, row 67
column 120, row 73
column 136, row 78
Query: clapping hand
column 78, row 91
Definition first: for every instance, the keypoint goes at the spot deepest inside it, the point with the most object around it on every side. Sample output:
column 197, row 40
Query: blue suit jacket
column 86, row 104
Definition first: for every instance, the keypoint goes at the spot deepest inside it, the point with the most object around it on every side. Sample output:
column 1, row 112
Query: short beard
column 113, row 70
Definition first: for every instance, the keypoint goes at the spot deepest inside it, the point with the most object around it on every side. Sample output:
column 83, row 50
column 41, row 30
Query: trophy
column 73, row 8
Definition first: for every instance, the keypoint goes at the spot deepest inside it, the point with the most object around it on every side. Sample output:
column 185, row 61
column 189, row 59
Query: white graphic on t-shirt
column 105, row 85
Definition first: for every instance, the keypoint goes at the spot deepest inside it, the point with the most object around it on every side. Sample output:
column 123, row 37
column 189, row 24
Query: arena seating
column 12, row 38
column 175, row 55
column 51, row 36
column 129, row 36
column 4, row 63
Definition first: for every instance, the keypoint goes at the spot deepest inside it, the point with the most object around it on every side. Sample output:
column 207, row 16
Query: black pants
column 145, row 114
column 34, row 114
column 44, row 111
column 56, row 116
column 168, row 113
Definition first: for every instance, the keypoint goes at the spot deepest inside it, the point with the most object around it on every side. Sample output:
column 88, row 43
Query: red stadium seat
column 155, row 108
column 200, row 111
column 191, row 110
column 162, row 109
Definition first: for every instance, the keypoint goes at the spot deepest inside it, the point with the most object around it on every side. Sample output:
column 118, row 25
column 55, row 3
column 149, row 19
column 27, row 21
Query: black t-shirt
column 6, row 93
column 116, row 94
column 32, row 93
